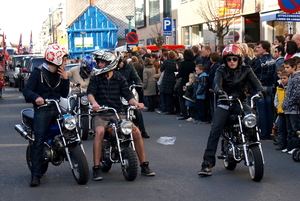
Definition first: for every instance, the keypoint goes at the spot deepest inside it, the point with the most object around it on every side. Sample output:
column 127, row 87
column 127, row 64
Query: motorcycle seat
column 28, row 117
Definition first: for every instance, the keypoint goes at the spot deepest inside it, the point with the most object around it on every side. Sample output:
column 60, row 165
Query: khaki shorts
column 102, row 119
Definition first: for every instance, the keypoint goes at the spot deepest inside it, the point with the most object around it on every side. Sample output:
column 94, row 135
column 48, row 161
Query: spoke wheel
column 256, row 166
column 80, row 166
column 130, row 167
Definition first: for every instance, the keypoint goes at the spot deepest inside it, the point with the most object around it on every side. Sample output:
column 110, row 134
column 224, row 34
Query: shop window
column 154, row 14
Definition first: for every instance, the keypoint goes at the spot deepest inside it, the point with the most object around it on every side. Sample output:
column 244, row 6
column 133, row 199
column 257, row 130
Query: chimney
column 92, row 2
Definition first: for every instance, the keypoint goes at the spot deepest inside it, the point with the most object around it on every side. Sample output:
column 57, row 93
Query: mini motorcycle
column 240, row 141
column 118, row 145
column 80, row 108
column 62, row 141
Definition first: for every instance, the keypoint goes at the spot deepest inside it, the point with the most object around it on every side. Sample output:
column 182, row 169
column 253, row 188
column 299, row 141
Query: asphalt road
column 176, row 167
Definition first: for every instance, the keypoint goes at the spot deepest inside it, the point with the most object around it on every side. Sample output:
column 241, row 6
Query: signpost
column 132, row 38
column 167, row 27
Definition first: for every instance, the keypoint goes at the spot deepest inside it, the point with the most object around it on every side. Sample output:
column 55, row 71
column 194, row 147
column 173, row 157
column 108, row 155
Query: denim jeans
column 42, row 118
column 293, row 125
column 282, row 131
column 265, row 113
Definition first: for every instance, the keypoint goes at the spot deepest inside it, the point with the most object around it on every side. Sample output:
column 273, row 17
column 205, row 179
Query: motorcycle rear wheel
column 130, row 169
column 80, row 166
column 84, row 127
column 256, row 167
column 29, row 163
column 229, row 165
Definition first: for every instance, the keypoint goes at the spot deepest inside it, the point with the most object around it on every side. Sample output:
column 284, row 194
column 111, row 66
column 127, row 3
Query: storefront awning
column 269, row 16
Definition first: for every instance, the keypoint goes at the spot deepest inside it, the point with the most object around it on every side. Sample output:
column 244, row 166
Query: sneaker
column 146, row 170
column 291, row 152
column 190, row 119
column 195, row 121
column 284, row 150
column 206, row 170
column 97, row 173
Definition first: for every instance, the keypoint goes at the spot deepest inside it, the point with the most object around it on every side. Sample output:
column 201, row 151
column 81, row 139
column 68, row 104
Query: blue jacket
column 201, row 83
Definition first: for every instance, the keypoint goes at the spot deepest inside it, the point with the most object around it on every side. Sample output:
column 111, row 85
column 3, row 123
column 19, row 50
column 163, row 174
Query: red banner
column 5, row 53
column 20, row 47
column 30, row 44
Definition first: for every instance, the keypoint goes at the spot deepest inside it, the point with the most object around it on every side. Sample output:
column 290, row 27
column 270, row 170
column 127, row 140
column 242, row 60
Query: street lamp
column 82, row 35
column 129, row 17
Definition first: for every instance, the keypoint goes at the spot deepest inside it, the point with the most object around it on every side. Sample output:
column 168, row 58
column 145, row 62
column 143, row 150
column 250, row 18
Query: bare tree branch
column 217, row 15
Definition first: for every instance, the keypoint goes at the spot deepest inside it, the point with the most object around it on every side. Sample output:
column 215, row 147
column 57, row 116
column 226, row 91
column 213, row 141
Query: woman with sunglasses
column 231, row 79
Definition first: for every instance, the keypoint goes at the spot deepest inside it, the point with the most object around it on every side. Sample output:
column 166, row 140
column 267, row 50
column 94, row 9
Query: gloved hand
column 261, row 94
column 222, row 95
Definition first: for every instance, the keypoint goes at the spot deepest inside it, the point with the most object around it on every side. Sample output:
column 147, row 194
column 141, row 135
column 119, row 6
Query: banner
column 20, row 46
column 5, row 53
column 30, row 44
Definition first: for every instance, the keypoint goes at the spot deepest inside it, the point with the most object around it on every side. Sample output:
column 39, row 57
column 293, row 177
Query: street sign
column 289, row 6
column 132, row 38
column 167, row 27
column 288, row 17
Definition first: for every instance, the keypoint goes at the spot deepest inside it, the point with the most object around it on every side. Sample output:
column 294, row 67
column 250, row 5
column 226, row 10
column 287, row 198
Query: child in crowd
column 189, row 97
column 2, row 85
column 291, row 105
column 281, row 119
column 200, row 90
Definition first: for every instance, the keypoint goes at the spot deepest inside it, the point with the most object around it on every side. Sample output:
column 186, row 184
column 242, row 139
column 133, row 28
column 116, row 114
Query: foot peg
column 221, row 157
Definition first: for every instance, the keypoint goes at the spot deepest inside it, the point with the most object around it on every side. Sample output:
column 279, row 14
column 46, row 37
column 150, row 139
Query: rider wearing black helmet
column 231, row 79
column 81, row 74
column 106, row 88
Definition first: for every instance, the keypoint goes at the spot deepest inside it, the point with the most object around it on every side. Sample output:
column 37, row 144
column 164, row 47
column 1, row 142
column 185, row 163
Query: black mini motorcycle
column 62, row 142
column 240, row 141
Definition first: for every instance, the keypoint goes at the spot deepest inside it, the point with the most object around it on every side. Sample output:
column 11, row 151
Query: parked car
column 23, row 71
column 14, row 70
column 34, row 62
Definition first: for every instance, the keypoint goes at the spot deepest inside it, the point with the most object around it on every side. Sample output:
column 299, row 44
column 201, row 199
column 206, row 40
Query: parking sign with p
column 167, row 27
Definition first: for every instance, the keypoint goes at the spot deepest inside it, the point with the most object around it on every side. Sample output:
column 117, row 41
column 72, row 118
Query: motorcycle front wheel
column 80, row 166
column 296, row 155
column 130, row 167
column 29, row 163
column 84, row 127
column 256, row 166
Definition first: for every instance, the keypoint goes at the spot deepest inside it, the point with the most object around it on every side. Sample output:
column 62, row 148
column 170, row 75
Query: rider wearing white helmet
column 48, row 81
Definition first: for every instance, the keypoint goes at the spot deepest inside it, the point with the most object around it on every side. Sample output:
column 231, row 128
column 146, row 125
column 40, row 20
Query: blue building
column 91, row 31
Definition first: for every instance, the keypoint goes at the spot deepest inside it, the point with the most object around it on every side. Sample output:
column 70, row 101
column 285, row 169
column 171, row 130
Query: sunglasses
column 228, row 59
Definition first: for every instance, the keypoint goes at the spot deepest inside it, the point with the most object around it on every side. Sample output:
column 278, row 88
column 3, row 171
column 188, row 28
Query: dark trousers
column 183, row 108
column 139, row 121
column 42, row 118
column 293, row 125
column 200, row 110
column 151, row 103
column 282, row 131
column 219, row 121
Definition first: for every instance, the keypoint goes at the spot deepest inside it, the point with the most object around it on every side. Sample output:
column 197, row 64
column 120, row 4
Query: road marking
column 13, row 145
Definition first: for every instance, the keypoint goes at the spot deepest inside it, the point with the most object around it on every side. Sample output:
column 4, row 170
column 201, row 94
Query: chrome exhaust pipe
column 22, row 132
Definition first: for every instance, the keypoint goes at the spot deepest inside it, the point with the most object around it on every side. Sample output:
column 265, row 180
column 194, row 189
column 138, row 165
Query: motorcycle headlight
column 84, row 100
column 250, row 120
column 126, row 127
column 69, row 122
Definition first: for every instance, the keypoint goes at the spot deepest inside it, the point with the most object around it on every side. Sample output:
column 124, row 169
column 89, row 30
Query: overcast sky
column 22, row 16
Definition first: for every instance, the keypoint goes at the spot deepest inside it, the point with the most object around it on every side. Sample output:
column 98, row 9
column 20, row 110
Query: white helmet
column 111, row 57
column 55, row 53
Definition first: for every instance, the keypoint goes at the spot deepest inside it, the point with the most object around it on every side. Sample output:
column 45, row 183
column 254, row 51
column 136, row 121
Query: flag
column 30, row 44
column 6, row 56
column 20, row 47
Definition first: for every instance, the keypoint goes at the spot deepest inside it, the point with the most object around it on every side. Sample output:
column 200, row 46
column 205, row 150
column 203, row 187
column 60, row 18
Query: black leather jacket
column 235, row 82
